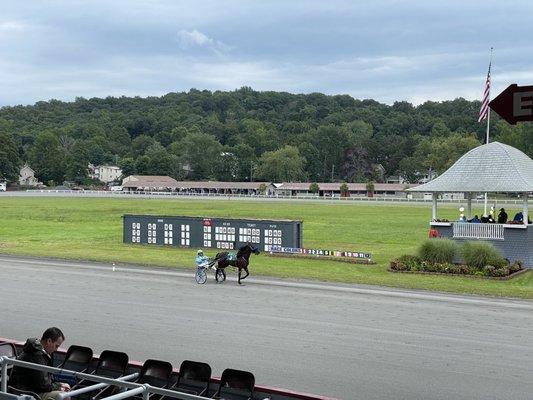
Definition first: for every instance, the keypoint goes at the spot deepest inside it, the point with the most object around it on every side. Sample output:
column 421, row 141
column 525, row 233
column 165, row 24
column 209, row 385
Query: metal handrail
column 134, row 388
column 95, row 386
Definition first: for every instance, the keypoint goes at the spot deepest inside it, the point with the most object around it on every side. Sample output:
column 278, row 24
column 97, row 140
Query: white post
column 434, row 208
column 524, row 212
column 469, row 205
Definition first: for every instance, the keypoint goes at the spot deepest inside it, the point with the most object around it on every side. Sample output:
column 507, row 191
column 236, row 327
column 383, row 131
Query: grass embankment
column 91, row 229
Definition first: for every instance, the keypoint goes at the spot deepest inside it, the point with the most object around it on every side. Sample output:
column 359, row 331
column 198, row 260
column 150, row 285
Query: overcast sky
column 381, row 49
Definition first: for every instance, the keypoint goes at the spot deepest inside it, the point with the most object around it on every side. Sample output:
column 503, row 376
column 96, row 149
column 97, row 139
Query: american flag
column 483, row 112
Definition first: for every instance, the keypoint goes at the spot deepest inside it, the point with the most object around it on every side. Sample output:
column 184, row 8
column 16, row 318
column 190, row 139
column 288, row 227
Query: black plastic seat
column 235, row 385
column 111, row 364
column 78, row 358
column 193, row 378
column 155, row 373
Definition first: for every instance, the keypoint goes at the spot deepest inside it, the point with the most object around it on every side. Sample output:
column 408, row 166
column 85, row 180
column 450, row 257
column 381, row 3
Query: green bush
column 438, row 251
column 491, row 270
column 397, row 265
column 488, row 270
column 453, row 269
column 435, row 267
column 411, row 262
column 503, row 271
column 480, row 254
column 515, row 267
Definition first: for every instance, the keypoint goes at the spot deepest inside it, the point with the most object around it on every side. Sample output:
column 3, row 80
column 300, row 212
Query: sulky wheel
column 201, row 276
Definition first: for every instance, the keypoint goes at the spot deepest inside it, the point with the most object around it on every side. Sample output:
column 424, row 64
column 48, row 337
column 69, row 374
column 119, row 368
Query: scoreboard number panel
column 215, row 233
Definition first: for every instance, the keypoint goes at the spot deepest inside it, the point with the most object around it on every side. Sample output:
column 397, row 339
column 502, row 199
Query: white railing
column 478, row 231
column 131, row 388
column 144, row 194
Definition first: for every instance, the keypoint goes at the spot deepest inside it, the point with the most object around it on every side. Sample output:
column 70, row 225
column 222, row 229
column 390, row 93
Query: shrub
column 435, row 267
column 515, row 267
column 314, row 188
column 480, row 254
column 438, row 251
column 453, row 269
column 410, row 261
column 466, row 270
column 503, row 271
column 488, row 270
column 491, row 270
column 397, row 265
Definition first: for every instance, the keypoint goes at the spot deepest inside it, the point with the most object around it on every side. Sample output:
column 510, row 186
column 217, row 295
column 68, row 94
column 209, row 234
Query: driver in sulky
column 202, row 260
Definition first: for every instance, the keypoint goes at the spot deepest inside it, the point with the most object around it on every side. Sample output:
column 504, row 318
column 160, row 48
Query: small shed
column 490, row 168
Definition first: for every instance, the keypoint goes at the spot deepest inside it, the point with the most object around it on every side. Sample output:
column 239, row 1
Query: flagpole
column 487, row 138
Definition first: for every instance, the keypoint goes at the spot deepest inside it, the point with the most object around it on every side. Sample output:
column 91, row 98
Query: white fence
column 478, row 231
column 379, row 199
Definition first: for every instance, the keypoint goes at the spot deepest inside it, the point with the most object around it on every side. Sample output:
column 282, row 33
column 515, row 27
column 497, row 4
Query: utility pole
column 251, row 169
column 332, row 171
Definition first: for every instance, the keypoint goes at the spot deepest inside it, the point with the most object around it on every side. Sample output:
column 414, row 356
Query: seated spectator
column 475, row 220
column 484, row 219
column 502, row 216
column 39, row 352
column 518, row 217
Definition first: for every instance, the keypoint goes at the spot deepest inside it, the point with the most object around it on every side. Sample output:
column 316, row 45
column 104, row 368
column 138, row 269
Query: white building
column 105, row 173
column 27, row 177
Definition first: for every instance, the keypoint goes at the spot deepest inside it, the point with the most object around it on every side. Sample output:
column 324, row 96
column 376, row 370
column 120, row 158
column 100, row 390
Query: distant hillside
column 246, row 135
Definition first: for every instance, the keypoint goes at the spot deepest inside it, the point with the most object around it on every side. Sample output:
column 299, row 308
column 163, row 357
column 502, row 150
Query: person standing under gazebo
column 502, row 216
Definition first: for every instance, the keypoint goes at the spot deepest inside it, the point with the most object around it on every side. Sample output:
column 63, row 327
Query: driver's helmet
column 200, row 252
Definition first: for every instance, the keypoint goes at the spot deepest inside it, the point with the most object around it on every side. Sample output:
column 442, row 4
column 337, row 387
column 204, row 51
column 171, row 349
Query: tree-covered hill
column 244, row 135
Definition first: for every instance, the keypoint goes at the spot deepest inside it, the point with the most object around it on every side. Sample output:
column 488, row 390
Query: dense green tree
column 140, row 144
column 76, row 162
column 127, row 165
column 341, row 138
column 10, row 161
column 46, row 158
column 201, row 152
column 245, row 159
column 283, row 165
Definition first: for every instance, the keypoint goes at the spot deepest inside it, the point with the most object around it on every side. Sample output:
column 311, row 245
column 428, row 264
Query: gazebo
column 490, row 168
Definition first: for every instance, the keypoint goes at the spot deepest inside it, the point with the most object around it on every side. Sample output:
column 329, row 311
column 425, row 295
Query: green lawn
column 91, row 229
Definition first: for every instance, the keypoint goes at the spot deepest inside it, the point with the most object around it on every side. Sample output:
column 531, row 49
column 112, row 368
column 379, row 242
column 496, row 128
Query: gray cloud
column 387, row 50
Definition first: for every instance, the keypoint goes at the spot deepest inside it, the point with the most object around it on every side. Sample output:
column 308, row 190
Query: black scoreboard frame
column 207, row 232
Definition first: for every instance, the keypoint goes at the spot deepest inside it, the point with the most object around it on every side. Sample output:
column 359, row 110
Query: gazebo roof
column 492, row 167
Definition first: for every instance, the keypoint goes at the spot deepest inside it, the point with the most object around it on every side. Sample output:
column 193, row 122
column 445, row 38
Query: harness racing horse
column 240, row 261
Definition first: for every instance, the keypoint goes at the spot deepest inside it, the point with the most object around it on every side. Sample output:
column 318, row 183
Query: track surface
column 349, row 342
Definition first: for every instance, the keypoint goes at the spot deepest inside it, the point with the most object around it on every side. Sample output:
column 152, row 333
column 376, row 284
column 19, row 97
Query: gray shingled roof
column 493, row 167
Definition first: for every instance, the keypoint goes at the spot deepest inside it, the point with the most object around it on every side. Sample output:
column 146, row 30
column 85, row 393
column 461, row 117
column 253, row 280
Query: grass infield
column 91, row 229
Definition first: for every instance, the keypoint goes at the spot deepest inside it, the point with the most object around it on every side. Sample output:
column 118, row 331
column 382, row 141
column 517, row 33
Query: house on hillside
column 27, row 177
column 104, row 173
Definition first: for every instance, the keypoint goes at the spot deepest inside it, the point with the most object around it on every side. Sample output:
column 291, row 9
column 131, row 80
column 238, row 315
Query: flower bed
column 410, row 263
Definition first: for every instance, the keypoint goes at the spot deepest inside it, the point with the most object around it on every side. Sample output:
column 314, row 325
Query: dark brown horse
column 239, row 260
